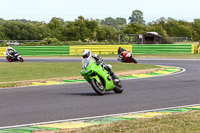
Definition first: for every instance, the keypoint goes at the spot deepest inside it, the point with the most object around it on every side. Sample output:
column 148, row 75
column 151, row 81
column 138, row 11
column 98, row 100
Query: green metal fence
column 42, row 50
column 161, row 48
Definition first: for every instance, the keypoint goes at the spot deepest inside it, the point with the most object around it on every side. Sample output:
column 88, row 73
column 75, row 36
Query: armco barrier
column 2, row 49
column 42, row 50
column 98, row 49
column 194, row 49
column 161, row 48
column 103, row 49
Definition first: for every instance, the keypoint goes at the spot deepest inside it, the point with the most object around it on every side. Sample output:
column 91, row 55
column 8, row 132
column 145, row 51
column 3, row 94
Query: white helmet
column 86, row 53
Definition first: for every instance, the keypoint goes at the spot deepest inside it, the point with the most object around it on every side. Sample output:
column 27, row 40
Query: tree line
column 82, row 29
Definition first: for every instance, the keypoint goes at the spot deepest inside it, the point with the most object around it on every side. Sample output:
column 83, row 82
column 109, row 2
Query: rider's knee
column 107, row 68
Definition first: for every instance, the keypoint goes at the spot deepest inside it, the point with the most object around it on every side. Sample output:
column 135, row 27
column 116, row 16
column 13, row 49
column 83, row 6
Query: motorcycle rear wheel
column 10, row 60
column 7, row 58
column 98, row 87
column 118, row 88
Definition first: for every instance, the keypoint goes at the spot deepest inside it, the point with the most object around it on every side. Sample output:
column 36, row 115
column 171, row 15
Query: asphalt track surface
column 36, row 104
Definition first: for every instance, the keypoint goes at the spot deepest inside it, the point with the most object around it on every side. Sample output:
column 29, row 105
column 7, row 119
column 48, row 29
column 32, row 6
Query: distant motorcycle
column 126, row 57
column 15, row 57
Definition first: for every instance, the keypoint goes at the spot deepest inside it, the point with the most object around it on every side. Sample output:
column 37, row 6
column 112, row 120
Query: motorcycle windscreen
column 128, row 54
column 85, row 62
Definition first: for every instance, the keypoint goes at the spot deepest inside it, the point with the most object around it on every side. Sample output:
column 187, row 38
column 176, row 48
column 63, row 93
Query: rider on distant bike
column 125, row 56
column 87, row 55
column 120, row 52
column 10, row 51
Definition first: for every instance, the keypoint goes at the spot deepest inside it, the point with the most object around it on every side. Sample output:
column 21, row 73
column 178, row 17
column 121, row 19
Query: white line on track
column 85, row 118
column 78, row 58
column 182, row 71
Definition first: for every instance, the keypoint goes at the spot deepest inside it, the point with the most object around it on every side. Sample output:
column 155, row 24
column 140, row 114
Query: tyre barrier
column 161, row 48
column 103, row 49
column 98, row 49
column 195, row 49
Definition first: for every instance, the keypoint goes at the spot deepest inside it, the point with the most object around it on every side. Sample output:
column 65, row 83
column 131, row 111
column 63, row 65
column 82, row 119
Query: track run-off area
column 37, row 104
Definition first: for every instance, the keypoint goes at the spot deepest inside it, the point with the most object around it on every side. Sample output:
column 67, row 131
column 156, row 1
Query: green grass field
column 30, row 71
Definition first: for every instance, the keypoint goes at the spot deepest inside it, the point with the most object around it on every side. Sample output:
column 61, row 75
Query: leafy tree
column 43, row 31
column 117, row 23
column 81, row 29
column 110, row 34
column 137, row 17
column 134, row 28
column 175, row 29
column 2, row 33
column 161, row 21
column 109, row 21
column 121, row 21
column 96, row 30
column 100, row 33
column 196, row 30
column 55, row 23
column 157, row 28
column 56, row 26
column 24, row 21
column 1, row 20
column 13, row 29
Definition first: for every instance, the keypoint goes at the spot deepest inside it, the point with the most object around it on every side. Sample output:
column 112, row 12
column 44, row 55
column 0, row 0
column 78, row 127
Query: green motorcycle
column 99, row 78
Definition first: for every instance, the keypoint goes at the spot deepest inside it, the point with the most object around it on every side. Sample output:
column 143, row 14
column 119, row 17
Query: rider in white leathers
column 87, row 54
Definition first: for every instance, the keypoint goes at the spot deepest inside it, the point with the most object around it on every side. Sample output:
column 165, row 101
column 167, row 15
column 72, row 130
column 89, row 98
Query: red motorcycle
column 127, row 57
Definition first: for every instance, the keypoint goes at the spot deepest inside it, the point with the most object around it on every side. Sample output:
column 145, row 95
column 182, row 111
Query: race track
column 59, row 102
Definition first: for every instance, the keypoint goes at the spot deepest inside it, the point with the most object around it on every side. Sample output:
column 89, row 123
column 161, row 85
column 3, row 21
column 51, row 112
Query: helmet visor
column 86, row 55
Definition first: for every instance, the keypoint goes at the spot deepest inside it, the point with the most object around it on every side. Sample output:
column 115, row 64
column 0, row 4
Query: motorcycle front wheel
column 98, row 87
column 21, row 59
column 118, row 87
column 133, row 60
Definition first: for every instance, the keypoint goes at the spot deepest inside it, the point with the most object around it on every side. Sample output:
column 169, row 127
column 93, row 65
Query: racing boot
column 115, row 79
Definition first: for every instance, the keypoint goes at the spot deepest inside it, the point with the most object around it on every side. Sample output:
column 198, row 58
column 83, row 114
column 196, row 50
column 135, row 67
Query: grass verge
column 188, row 122
column 12, row 73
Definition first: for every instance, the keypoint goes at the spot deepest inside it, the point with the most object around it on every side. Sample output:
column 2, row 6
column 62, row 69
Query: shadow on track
column 88, row 94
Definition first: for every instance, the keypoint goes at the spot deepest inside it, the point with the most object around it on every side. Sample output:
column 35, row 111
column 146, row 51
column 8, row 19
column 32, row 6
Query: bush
column 47, row 41
column 167, row 40
column 3, row 44
column 52, row 42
